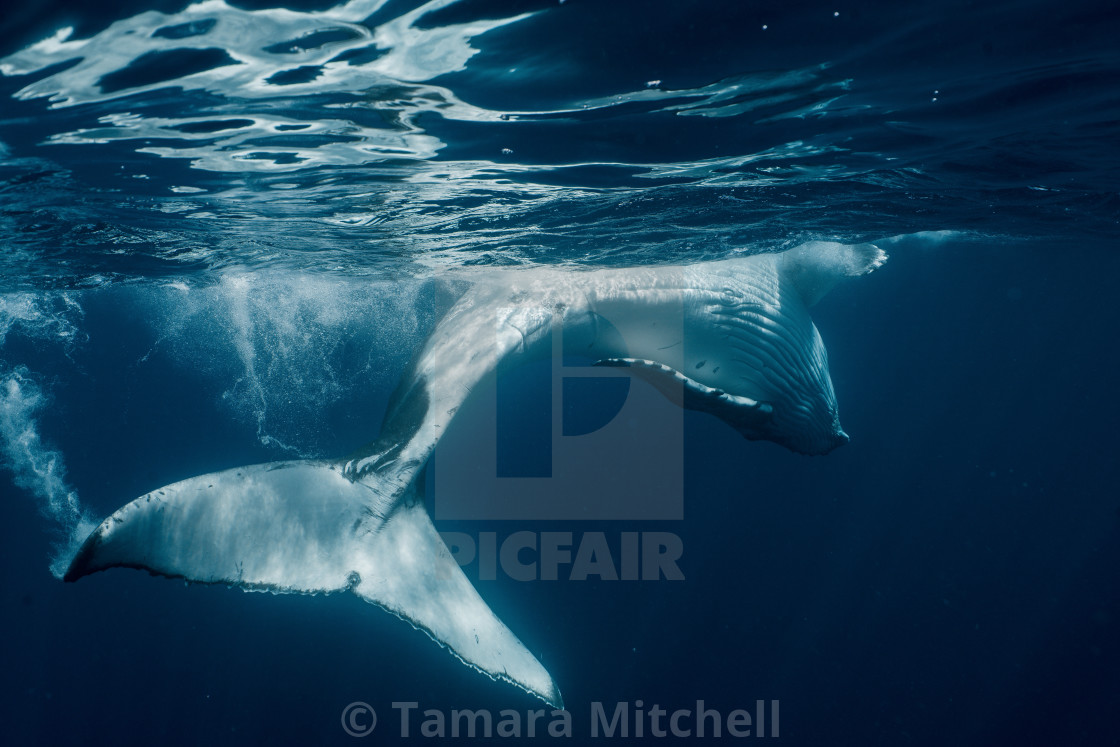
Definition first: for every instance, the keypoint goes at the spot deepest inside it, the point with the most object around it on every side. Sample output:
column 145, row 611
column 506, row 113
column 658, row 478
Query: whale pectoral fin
column 304, row 527
column 816, row 267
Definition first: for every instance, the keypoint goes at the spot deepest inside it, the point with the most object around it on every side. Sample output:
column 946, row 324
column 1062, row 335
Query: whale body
column 732, row 337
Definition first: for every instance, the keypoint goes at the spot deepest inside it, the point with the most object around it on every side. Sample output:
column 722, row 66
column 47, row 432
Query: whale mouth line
column 689, row 392
column 753, row 419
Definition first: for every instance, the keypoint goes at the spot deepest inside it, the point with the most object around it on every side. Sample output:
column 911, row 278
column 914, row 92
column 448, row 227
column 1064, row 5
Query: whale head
column 746, row 349
column 801, row 414
column 753, row 341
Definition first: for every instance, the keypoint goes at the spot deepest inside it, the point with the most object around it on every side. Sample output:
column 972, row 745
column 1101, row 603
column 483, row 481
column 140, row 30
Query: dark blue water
column 225, row 229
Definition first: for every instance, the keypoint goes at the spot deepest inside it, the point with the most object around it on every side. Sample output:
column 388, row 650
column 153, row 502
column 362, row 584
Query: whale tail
column 305, row 527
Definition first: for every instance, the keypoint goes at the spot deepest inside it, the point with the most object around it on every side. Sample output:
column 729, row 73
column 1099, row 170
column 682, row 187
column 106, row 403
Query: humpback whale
column 730, row 337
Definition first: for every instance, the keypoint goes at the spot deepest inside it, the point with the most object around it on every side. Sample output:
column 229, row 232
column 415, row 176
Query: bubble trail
column 37, row 468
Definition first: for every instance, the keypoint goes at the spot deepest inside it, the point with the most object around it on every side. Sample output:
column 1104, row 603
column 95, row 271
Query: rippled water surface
column 383, row 135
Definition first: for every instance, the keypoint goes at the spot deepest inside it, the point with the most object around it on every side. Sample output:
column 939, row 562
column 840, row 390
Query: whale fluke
column 305, row 527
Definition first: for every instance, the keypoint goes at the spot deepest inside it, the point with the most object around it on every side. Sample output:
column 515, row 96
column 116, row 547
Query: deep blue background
column 948, row 577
